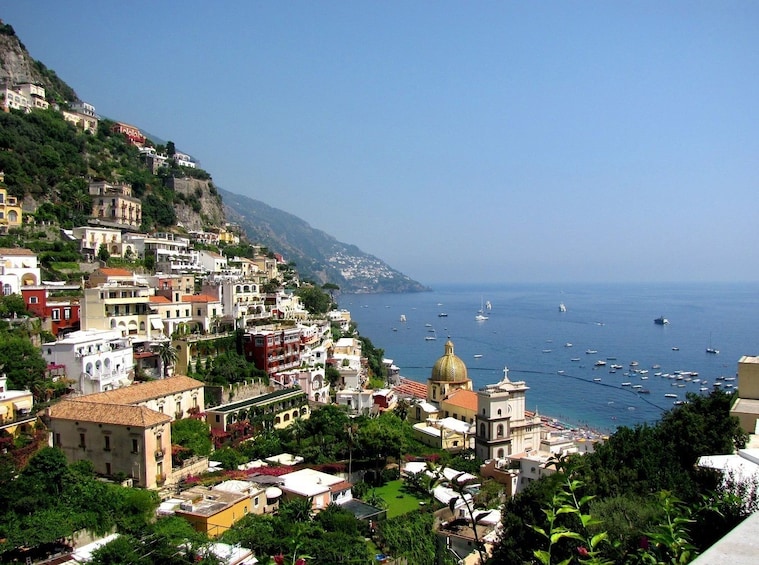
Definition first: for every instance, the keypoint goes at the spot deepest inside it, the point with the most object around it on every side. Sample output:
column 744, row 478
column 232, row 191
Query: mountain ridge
column 317, row 255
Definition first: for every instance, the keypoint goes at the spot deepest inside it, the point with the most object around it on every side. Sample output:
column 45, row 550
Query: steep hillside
column 16, row 66
column 48, row 164
column 318, row 256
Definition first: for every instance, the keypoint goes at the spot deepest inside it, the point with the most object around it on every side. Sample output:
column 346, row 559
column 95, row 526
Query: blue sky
column 457, row 141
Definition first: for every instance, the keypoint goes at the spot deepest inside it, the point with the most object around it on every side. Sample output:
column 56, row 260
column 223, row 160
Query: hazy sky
column 457, row 141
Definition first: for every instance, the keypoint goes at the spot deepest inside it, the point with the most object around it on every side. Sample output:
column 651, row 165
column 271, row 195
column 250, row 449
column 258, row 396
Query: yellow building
column 15, row 409
column 131, row 441
column 10, row 210
column 212, row 512
column 461, row 404
column 746, row 405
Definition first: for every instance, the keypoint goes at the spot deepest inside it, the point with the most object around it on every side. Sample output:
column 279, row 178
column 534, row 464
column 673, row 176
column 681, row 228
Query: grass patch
column 398, row 501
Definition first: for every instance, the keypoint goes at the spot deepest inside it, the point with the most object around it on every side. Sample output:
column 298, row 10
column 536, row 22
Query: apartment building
column 113, row 203
column 18, row 268
column 95, row 360
column 15, row 409
column 11, row 215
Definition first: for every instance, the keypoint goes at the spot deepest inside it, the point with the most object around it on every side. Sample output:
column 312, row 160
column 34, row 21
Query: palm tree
column 168, row 355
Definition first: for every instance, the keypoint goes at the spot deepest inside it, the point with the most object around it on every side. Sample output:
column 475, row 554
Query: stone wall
column 216, row 395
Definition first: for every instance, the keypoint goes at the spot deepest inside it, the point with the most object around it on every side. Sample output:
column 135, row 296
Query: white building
column 212, row 262
column 184, row 160
column 358, row 401
column 96, row 360
column 322, row 488
column 91, row 238
column 312, row 381
column 172, row 253
column 18, row 267
column 503, row 428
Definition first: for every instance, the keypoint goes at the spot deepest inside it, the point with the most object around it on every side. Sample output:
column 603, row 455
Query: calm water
column 526, row 332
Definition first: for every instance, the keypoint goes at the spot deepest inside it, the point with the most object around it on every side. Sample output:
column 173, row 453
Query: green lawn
column 398, row 502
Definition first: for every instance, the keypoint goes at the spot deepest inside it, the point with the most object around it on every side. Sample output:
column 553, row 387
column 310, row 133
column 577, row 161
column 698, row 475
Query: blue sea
column 526, row 332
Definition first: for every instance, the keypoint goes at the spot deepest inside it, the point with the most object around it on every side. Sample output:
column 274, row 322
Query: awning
column 273, row 492
column 156, row 324
column 23, row 405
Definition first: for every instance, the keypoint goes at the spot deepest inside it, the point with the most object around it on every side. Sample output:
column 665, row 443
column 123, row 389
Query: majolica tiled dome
column 449, row 367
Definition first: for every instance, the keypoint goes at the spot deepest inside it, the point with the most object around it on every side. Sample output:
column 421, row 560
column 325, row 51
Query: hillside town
column 129, row 359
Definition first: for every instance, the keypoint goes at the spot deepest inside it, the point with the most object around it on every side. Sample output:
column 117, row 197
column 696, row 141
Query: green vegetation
column 606, row 496
column 50, row 500
column 399, row 500
column 314, row 299
column 332, row 536
column 54, row 172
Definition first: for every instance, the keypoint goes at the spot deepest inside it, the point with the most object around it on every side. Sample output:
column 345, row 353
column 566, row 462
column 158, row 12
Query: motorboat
column 661, row 321
column 442, row 315
column 562, row 307
column 403, row 317
column 670, row 395
column 600, row 363
column 590, row 351
column 567, row 344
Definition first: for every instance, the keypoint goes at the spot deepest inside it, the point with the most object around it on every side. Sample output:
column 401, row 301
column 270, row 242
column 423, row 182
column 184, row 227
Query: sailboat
column 481, row 313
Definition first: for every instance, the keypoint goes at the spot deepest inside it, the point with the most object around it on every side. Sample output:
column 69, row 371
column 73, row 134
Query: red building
column 273, row 350
column 133, row 134
column 61, row 313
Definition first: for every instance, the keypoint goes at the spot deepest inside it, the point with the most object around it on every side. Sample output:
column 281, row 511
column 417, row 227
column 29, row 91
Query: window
column 107, row 446
column 56, row 314
column 499, row 430
column 82, row 442
column 32, row 300
column 67, row 313
column 255, row 502
column 135, row 446
column 107, row 468
column 58, row 440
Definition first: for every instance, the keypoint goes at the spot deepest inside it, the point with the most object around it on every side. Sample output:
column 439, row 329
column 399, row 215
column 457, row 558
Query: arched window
column 500, row 454
column 287, row 417
column 500, row 412
column 499, row 430
column 482, row 430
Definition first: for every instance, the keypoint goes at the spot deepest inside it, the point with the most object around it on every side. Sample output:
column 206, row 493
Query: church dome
column 449, row 367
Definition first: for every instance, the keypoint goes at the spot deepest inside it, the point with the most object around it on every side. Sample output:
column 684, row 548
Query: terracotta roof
column 199, row 298
column 78, row 410
column 115, row 272
column 142, row 392
column 407, row 387
column 463, row 398
column 16, row 251
column 161, row 299
column 341, row 486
